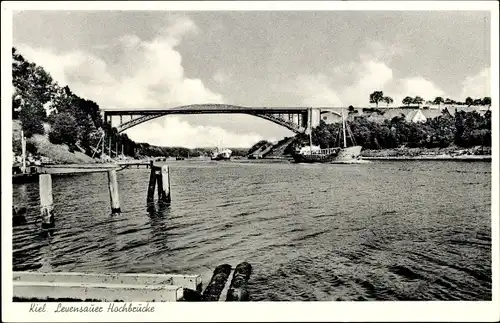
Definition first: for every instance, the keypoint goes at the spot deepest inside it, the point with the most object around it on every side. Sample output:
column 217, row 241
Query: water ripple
column 380, row 231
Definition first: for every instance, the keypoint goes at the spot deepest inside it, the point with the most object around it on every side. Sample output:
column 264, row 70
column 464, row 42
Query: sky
column 159, row 59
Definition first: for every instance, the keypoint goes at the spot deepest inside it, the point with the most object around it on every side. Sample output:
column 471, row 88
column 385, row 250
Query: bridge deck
column 227, row 108
column 211, row 108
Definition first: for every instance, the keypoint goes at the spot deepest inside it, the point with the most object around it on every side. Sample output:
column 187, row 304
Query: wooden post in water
column 163, row 179
column 152, row 183
column 46, row 202
column 113, row 192
column 238, row 290
column 217, row 283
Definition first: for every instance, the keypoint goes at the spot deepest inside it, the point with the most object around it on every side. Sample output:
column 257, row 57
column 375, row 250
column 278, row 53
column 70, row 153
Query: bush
column 64, row 130
column 31, row 124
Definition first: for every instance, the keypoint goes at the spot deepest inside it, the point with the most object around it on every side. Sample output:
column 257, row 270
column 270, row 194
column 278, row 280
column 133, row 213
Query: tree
column 64, row 130
column 477, row 102
column 408, row 100
column 438, row 100
column 33, row 86
column 376, row 97
column 88, row 135
column 388, row 100
column 418, row 100
column 469, row 101
column 487, row 100
column 448, row 101
column 30, row 117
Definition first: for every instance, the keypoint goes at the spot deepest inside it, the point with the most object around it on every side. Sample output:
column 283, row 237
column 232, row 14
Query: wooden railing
column 325, row 151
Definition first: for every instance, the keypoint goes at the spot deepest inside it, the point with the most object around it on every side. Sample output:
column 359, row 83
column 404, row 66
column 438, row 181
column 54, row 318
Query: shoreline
column 485, row 158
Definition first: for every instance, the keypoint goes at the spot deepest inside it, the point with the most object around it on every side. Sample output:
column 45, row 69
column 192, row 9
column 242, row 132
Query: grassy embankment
column 58, row 154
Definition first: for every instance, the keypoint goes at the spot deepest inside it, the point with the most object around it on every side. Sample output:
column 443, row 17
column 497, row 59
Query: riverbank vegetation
column 45, row 108
column 461, row 130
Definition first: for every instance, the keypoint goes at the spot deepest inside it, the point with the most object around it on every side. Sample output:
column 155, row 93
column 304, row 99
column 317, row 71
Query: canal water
column 416, row 230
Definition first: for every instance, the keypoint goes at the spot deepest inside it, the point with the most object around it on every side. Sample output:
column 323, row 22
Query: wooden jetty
column 159, row 175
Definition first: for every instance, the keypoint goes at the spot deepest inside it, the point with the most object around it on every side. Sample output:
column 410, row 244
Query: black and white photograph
column 329, row 154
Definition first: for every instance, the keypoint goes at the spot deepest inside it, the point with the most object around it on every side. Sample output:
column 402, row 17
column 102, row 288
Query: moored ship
column 314, row 154
column 221, row 154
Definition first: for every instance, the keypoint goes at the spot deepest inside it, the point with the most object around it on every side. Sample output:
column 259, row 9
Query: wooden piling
column 152, row 183
column 163, row 180
column 113, row 192
column 217, row 283
column 46, row 201
column 238, row 290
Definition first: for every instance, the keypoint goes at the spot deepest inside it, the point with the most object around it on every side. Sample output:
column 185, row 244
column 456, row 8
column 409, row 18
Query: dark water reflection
column 380, row 231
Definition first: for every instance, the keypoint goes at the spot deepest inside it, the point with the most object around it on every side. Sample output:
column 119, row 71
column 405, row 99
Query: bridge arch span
column 142, row 119
column 274, row 115
column 297, row 120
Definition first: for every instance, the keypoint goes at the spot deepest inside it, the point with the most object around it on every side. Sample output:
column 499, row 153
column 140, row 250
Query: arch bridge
column 296, row 119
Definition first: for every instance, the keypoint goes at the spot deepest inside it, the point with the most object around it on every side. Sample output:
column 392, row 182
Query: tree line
column 463, row 129
column 379, row 97
column 72, row 120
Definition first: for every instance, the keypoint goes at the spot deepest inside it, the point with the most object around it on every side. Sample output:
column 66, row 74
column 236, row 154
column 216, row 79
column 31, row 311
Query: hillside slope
column 57, row 153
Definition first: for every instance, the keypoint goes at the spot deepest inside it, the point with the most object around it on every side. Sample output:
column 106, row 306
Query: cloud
column 353, row 82
column 221, row 77
column 477, row 86
column 316, row 90
column 143, row 74
column 176, row 132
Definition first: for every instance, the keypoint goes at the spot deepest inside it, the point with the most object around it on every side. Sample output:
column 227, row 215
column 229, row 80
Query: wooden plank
column 185, row 281
column 101, row 292
column 76, row 168
column 84, row 166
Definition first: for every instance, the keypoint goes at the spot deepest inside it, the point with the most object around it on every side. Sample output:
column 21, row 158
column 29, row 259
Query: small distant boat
column 221, row 154
column 314, row 154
